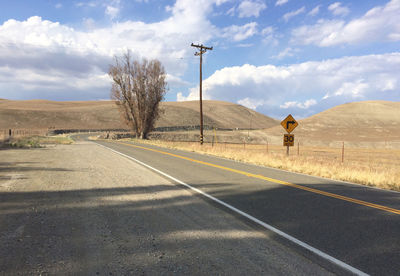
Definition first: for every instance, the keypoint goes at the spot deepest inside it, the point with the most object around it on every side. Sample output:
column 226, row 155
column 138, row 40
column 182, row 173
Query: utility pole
column 200, row 53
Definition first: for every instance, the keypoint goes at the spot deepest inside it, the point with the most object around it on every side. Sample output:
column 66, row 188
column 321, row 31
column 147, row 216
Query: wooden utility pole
column 200, row 53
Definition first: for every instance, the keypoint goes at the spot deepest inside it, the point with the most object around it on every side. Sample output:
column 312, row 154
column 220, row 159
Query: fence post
column 244, row 144
column 298, row 148
column 342, row 152
column 267, row 146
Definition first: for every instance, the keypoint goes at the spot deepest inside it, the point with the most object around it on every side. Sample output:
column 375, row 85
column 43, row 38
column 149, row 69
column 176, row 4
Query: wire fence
column 342, row 153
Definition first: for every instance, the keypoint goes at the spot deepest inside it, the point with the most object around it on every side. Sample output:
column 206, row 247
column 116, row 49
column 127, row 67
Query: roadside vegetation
column 37, row 141
column 371, row 167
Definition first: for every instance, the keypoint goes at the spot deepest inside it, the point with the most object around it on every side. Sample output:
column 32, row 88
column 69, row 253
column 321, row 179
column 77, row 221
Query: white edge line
column 263, row 224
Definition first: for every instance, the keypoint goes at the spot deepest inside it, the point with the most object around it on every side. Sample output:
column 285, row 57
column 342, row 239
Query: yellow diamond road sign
column 289, row 123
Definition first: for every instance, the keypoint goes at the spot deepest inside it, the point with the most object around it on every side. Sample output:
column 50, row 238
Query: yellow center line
column 312, row 190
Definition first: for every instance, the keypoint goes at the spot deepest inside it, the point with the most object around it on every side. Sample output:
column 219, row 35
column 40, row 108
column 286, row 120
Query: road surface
column 82, row 209
column 343, row 223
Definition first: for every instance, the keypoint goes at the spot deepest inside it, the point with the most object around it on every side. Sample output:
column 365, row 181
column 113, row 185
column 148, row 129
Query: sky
column 274, row 56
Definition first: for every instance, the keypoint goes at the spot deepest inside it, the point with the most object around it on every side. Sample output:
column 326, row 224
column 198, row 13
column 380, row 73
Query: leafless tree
column 138, row 88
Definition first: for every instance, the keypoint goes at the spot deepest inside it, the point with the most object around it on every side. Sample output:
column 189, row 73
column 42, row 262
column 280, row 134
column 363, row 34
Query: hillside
column 104, row 115
column 216, row 113
column 357, row 123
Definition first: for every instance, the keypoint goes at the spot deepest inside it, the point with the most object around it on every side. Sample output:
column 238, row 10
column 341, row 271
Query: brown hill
column 216, row 113
column 104, row 115
column 359, row 123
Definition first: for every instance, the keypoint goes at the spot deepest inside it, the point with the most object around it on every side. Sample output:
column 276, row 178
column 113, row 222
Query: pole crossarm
column 201, row 47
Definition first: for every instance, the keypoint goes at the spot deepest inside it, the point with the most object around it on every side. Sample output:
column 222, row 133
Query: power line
column 200, row 53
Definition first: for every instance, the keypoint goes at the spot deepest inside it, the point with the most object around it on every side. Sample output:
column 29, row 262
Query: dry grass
column 36, row 141
column 22, row 132
column 371, row 167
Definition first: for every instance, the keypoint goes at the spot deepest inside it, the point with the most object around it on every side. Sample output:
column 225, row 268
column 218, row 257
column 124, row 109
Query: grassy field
column 371, row 167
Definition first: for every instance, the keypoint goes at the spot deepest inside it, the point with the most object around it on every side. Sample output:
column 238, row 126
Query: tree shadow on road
column 160, row 229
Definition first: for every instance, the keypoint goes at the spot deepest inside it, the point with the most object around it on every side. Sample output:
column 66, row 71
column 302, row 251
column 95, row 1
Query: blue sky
column 277, row 56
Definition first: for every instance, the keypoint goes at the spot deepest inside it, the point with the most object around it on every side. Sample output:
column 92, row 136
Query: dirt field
column 82, row 210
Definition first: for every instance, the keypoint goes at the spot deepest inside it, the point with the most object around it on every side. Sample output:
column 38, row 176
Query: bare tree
column 138, row 88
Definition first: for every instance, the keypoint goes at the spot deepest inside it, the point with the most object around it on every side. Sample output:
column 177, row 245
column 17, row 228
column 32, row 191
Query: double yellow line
column 258, row 176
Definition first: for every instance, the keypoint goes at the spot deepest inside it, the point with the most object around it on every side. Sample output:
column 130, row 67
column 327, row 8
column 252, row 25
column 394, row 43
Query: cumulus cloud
column 112, row 11
column 304, row 105
column 251, row 103
column 355, row 89
column 289, row 15
column 47, row 56
column 249, row 8
column 337, row 9
column 378, row 24
column 305, row 87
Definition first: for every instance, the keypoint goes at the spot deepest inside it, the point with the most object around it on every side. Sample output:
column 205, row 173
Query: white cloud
column 355, row 89
column 238, row 33
column 314, row 11
column 58, row 6
column 281, row 2
column 90, row 4
column 175, row 81
column 113, row 9
column 307, row 104
column 287, row 52
column 42, row 55
column 245, row 45
column 249, row 8
column 267, row 30
column 250, row 103
column 301, row 86
column 378, row 24
column 270, row 36
column 289, row 15
column 337, row 9
column 231, row 11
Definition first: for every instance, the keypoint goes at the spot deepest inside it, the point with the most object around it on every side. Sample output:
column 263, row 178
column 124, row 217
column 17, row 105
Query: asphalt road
column 82, row 210
column 356, row 225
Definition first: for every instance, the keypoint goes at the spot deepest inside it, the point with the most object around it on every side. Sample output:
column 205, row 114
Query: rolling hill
column 104, row 115
column 367, row 123
column 357, row 123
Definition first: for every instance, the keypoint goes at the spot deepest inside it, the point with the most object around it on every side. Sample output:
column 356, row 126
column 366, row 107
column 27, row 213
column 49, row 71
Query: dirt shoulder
column 81, row 209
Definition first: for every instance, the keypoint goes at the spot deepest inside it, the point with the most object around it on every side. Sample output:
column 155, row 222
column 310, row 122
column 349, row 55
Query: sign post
column 289, row 124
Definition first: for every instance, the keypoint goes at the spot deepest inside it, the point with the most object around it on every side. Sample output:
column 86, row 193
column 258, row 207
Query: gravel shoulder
column 81, row 209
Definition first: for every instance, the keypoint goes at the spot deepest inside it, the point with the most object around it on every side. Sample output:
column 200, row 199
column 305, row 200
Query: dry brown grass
column 22, row 132
column 104, row 115
column 371, row 167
